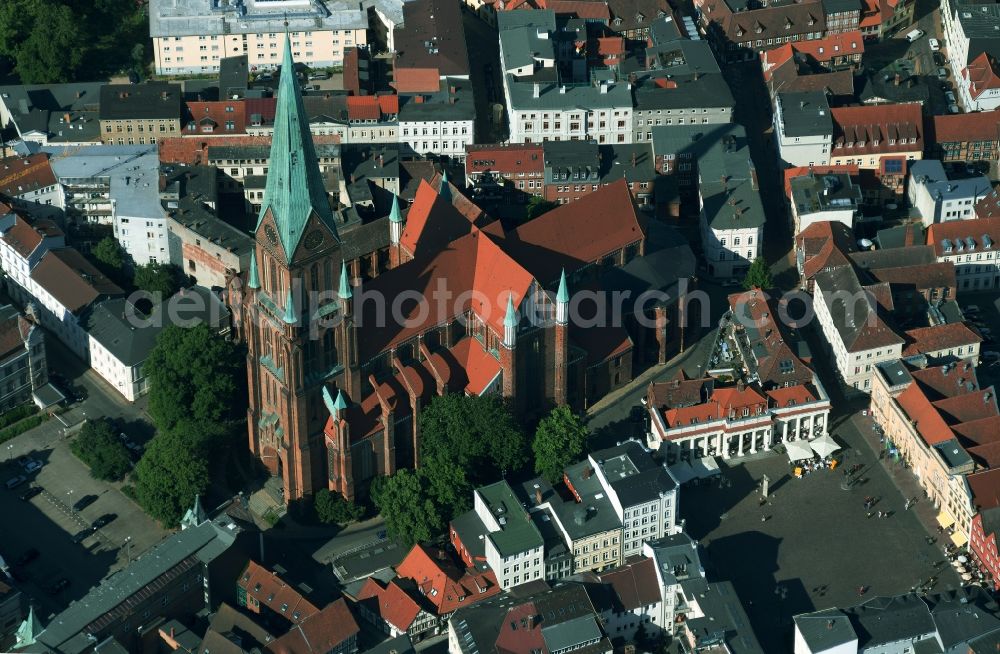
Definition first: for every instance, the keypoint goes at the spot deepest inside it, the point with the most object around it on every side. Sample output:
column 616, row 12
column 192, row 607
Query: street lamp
column 128, row 548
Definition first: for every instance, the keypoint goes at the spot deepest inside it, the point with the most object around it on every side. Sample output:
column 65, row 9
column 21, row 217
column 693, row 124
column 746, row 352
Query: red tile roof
column 271, row 591
column 577, row 234
column 417, row 80
column 260, row 109
column 390, row 602
column 585, row 9
column 11, row 337
column 825, row 244
column 443, row 583
column 22, row 237
column 516, row 157
column 319, row 633
column 962, row 128
column 19, row 175
column 389, row 104
column 432, row 222
column 480, row 367
column 938, row 338
column 985, row 488
column 928, row 422
column 989, row 206
column 963, row 229
column 885, row 123
column 722, row 403
column 72, row 280
column 832, row 46
column 922, row 277
column 216, row 114
column 788, row 396
column 363, row 107
column 982, row 75
column 634, row 584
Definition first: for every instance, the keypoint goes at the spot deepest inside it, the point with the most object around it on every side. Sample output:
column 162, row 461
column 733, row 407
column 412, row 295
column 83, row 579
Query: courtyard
column 812, row 545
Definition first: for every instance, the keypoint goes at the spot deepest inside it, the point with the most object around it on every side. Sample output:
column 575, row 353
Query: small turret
column 444, row 190
column 291, row 315
column 345, row 284
column 510, row 323
column 253, row 280
column 562, row 300
column 395, row 222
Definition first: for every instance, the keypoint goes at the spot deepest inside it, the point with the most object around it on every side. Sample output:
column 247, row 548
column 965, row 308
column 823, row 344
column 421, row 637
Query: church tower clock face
column 271, row 235
column 314, row 239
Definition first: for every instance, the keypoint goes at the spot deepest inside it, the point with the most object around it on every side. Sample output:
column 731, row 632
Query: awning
column 706, row 466
column 798, row 450
column 47, row 395
column 683, row 472
column 824, row 445
column 959, row 539
column 945, row 520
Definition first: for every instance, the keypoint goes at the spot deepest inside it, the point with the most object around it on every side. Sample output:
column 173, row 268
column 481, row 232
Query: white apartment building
column 441, row 126
column 676, row 560
column 939, row 199
column 815, row 198
column 803, row 128
column 513, row 545
column 192, row 36
column 848, row 315
column 971, row 246
column 969, row 30
column 543, row 106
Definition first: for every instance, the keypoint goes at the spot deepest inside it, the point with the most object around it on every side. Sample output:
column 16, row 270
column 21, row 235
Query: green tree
column 110, row 256
column 169, row 475
column 410, row 515
column 54, row 46
column 560, row 440
column 160, row 279
column 334, row 509
column 758, row 276
column 537, row 206
column 195, row 375
column 467, row 441
column 99, row 447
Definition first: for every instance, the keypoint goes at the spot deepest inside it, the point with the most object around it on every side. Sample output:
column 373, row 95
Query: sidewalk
column 904, row 480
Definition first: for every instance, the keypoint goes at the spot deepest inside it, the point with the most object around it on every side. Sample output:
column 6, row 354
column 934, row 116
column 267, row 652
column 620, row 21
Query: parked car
column 950, row 97
column 81, row 536
column 105, row 519
column 942, row 73
column 32, row 466
column 971, row 308
column 14, row 482
column 939, row 59
column 319, row 75
column 27, row 556
column 934, row 44
column 84, row 502
column 31, row 492
column 914, row 35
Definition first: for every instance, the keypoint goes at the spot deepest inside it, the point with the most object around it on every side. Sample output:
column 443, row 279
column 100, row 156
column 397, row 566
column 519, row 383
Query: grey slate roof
column 130, row 337
column 152, row 100
column 708, row 91
column 594, row 514
column 724, row 613
column 197, row 17
column 733, row 203
column 42, row 108
column 566, row 635
column 442, row 105
column 805, row 113
column 632, row 473
column 853, row 327
column 65, row 633
column 824, row 630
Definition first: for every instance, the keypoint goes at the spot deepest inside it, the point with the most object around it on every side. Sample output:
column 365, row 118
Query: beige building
column 945, row 427
column 139, row 114
column 192, row 36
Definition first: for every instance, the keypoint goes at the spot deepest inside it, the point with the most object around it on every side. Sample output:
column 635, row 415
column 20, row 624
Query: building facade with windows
column 191, row 37
column 140, row 114
column 971, row 246
column 23, row 364
column 803, row 128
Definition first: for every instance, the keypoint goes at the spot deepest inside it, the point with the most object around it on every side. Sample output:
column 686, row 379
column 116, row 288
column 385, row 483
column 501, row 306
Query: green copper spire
column 340, row 404
column 394, row 215
column 294, row 185
column 444, row 190
column 328, row 401
column 510, row 320
column 254, row 281
column 562, row 295
column 345, row 285
column 291, row 316
column 29, row 631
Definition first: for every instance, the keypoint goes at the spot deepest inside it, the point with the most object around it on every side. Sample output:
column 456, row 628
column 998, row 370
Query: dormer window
column 740, row 31
column 812, row 21
column 639, row 18
column 788, row 26
column 617, row 20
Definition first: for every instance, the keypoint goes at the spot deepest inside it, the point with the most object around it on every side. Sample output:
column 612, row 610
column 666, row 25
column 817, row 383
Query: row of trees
column 467, row 442
column 195, row 399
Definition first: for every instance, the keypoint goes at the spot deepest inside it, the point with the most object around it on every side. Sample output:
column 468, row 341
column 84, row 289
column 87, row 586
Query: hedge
column 20, row 428
column 17, row 413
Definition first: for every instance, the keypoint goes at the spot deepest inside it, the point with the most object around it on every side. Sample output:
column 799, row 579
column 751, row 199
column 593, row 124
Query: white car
column 935, row 45
column 914, row 35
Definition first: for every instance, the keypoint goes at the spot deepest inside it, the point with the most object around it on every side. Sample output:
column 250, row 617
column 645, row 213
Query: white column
column 725, row 445
column 784, row 432
column 720, row 445
column 767, row 440
column 739, row 451
column 753, row 442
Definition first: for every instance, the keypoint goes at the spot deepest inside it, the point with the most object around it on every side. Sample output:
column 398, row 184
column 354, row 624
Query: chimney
column 908, row 237
column 79, row 94
column 633, row 158
column 67, row 118
column 536, row 90
column 898, row 79
column 538, row 496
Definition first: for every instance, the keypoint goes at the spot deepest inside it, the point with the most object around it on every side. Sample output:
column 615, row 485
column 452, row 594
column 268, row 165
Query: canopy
column 683, row 472
column 824, row 445
column 798, row 450
column 959, row 539
column 945, row 520
column 706, row 466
